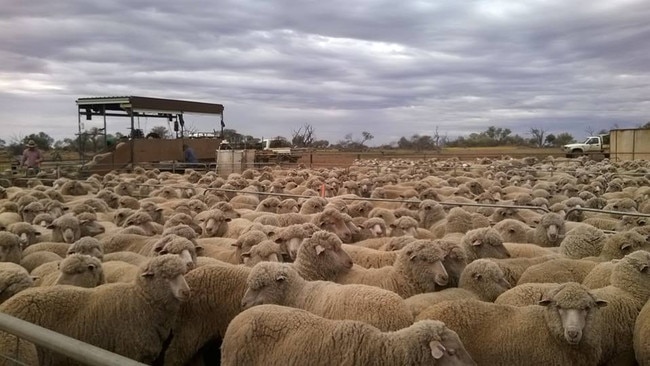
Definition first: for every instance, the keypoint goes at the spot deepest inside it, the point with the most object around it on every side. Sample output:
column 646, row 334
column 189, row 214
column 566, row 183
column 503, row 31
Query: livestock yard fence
column 59, row 343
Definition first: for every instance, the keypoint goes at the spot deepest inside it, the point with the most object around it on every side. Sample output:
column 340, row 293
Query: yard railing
column 61, row 344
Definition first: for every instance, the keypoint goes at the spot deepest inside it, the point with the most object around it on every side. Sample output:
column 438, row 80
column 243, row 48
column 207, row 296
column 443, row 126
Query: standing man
column 32, row 157
column 189, row 155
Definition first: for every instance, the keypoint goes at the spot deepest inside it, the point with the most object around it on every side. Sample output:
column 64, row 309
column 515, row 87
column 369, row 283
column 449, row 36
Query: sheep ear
column 51, row 226
column 278, row 240
column 601, row 303
column 437, row 349
column 643, row 267
column 147, row 272
column 280, row 278
column 545, row 302
column 625, row 246
column 477, row 243
column 319, row 249
column 246, row 255
column 236, row 244
column 227, row 219
column 35, row 278
column 91, row 266
column 477, row 276
column 198, row 249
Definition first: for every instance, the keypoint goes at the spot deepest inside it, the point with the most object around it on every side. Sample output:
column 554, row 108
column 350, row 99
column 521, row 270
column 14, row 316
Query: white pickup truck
column 592, row 145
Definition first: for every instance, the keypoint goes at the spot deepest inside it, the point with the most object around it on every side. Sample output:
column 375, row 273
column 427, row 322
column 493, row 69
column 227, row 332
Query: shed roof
column 135, row 103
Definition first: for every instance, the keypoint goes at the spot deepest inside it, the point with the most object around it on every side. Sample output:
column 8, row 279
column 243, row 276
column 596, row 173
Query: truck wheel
column 576, row 153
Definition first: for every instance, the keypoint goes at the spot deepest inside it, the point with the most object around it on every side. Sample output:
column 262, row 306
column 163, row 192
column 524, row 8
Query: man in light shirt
column 32, row 157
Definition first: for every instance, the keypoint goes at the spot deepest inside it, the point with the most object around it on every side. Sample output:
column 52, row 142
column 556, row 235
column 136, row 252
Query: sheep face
column 268, row 283
column 215, row 226
column 65, row 229
column 9, row 247
column 164, row 275
column 91, row 228
column 569, row 309
column 82, row 271
column 266, row 251
column 333, row 224
column 27, row 234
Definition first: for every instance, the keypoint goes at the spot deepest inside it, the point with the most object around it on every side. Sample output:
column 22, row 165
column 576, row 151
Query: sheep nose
column 572, row 333
column 442, row 279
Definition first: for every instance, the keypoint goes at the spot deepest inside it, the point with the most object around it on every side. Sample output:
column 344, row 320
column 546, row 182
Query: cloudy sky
column 393, row 68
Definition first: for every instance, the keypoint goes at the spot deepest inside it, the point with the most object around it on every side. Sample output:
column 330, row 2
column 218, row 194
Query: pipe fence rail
column 62, row 344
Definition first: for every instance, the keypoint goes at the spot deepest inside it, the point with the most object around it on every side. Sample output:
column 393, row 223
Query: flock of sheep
column 432, row 262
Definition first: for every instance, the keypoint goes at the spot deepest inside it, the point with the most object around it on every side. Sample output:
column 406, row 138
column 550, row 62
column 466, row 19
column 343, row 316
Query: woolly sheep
column 118, row 271
column 290, row 238
column 13, row 279
column 233, row 252
column 10, row 247
column 550, row 231
column 566, row 328
column 417, row 269
column 583, row 241
column 515, row 267
column 483, row 243
column 33, row 260
column 277, row 334
column 430, row 213
column 513, row 231
column 147, row 306
column 265, row 251
column 30, row 211
column 213, row 223
column 642, row 336
column 371, row 228
column 387, row 215
column 77, row 270
column 558, row 270
column 333, row 221
column 370, row 258
column 217, row 291
column 618, row 245
column 87, row 246
column 321, row 257
column 526, row 294
column 482, row 279
column 525, row 250
column 128, row 257
column 279, row 283
column 65, row 229
column 141, row 219
column 599, row 276
column 26, row 232
column 404, row 226
column 628, row 292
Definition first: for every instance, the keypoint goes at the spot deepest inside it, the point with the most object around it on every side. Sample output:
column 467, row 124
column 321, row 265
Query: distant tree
column 42, row 140
column 320, row 144
column 161, row 131
column 646, row 125
column 537, row 138
column 590, row 131
column 366, row 136
column 3, row 144
column 564, row 138
column 304, row 136
column 550, row 140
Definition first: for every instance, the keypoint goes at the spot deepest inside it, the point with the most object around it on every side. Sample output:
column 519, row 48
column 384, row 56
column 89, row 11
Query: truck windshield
column 591, row 140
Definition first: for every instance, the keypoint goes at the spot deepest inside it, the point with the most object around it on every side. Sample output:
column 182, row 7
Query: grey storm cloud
column 392, row 68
